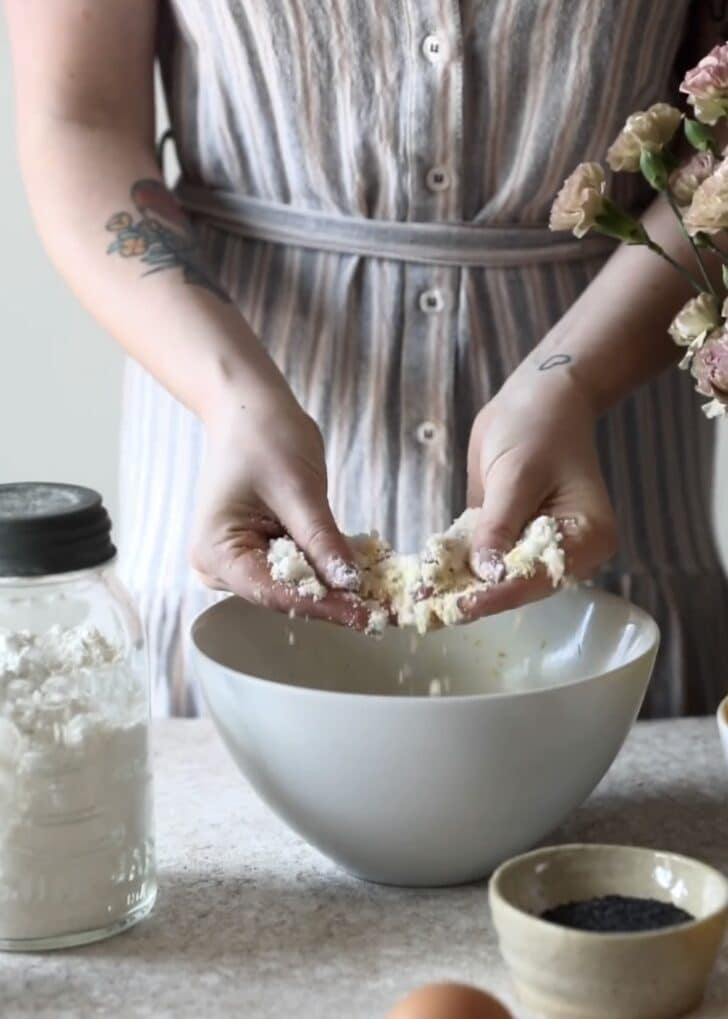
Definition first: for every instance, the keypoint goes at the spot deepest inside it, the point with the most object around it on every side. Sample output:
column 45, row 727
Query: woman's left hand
column 532, row 451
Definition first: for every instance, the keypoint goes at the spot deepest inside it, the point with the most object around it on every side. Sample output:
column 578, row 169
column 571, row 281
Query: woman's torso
column 346, row 105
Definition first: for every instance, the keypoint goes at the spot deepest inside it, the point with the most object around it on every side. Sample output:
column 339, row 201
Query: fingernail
column 342, row 576
column 569, row 526
column 488, row 565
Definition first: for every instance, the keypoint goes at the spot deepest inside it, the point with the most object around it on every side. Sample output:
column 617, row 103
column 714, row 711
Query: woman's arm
column 614, row 337
column 85, row 125
column 532, row 447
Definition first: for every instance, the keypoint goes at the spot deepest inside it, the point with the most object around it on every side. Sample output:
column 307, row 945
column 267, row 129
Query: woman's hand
column 264, row 475
column 532, row 451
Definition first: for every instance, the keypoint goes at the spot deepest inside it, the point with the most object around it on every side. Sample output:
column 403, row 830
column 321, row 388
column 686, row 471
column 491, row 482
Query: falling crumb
column 404, row 673
column 378, row 619
column 413, row 644
column 291, row 638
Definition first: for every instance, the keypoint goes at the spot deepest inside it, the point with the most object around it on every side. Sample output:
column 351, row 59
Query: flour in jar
column 75, row 787
column 426, row 590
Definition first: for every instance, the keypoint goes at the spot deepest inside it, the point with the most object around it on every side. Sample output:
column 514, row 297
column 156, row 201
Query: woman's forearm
column 614, row 337
column 130, row 255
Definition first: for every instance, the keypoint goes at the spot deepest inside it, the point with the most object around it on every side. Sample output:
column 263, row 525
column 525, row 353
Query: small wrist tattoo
column 555, row 361
column 162, row 237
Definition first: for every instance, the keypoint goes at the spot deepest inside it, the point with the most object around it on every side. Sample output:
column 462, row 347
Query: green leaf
column 614, row 222
column 653, row 169
column 724, row 273
column 670, row 160
column 700, row 136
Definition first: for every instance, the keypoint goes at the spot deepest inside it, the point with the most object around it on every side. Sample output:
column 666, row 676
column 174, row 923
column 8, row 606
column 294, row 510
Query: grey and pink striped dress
column 371, row 182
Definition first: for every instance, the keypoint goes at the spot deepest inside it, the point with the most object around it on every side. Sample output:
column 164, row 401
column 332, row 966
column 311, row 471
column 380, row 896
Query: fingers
column 245, row 571
column 589, row 541
column 590, row 537
column 509, row 594
column 310, row 522
column 512, row 496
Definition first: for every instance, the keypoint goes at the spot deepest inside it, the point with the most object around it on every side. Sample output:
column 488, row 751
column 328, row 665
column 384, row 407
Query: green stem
column 653, row 246
column 693, row 245
column 710, row 243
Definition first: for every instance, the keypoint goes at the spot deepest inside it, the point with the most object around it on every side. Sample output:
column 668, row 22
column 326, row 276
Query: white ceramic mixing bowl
column 338, row 735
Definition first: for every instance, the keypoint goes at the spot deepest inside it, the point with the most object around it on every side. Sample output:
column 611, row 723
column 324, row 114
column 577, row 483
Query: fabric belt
column 448, row 244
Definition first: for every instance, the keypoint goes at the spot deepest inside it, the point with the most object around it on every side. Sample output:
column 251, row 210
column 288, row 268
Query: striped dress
column 371, row 183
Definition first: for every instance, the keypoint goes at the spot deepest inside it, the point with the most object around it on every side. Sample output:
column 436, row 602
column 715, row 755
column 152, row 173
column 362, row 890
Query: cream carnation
column 647, row 129
column 580, row 201
column 708, row 211
column 695, row 320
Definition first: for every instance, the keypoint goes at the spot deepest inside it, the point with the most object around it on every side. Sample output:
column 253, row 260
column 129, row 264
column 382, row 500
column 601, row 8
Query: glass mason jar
column 76, row 836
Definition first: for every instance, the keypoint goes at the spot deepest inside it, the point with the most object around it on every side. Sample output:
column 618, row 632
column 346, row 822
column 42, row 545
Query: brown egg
column 449, row 1001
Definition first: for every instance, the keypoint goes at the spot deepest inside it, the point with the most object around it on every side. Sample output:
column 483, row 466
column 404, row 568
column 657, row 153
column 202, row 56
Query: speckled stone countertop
column 252, row 923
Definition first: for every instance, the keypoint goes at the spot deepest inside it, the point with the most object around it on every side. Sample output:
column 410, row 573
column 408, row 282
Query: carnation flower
column 710, row 371
column 715, row 409
column 706, row 86
column 685, row 181
column 708, row 211
column 580, row 201
column 695, row 320
column 647, row 129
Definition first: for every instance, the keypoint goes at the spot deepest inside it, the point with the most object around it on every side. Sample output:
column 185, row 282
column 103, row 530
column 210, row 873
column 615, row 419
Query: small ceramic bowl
column 723, row 726
column 572, row 974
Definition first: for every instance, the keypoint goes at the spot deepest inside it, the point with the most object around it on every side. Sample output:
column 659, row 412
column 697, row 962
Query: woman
column 369, row 186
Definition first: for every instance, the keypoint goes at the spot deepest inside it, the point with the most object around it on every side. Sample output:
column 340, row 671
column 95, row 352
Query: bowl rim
column 546, row 927
column 651, row 627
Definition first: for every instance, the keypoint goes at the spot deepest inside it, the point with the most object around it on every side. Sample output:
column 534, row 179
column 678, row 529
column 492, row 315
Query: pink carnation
column 685, row 181
column 707, row 85
column 710, row 367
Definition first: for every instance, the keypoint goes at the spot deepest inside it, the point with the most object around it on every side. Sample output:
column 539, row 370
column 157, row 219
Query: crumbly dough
column 425, row 591
column 288, row 565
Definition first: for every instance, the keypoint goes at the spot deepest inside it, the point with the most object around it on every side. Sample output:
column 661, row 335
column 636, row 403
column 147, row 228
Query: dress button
column 434, row 49
column 438, row 178
column 431, row 301
column 427, row 432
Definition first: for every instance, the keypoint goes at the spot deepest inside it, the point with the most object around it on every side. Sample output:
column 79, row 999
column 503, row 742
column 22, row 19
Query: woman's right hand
column 264, row 476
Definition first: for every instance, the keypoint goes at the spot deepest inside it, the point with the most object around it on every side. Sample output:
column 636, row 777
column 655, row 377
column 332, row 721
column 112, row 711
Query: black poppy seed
column 617, row 914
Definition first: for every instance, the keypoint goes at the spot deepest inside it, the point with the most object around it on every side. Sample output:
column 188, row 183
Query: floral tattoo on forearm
column 161, row 238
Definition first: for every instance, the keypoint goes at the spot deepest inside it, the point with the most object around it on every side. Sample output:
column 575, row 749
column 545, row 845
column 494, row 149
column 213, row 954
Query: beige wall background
column 60, row 375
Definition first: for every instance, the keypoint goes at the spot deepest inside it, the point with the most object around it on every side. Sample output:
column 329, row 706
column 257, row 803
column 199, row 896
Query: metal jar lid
column 49, row 528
